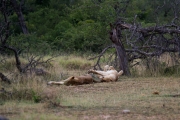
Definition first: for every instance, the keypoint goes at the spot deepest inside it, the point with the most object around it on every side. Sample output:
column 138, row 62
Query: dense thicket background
column 81, row 25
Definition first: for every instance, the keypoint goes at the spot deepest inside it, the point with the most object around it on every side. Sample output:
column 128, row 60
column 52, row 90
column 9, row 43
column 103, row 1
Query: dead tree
column 132, row 41
column 144, row 43
column 115, row 36
column 155, row 40
column 148, row 42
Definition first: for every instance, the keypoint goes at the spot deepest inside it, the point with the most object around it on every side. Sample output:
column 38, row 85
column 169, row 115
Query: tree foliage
column 83, row 25
column 34, row 26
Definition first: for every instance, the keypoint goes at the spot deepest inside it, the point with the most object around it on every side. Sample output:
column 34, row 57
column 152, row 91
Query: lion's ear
column 75, row 78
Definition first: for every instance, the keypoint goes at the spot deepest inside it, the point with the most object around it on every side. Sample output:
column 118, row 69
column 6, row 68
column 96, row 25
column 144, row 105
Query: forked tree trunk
column 120, row 51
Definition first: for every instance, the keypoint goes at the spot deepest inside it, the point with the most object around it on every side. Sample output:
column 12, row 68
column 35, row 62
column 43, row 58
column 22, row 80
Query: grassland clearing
column 147, row 98
column 104, row 101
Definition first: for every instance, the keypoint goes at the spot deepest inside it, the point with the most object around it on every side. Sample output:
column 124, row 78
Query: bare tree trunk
column 120, row 51
column 18, row 63
column 17, row 9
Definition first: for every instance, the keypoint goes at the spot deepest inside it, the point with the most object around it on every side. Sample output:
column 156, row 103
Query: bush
column 30, row 44
column 173, row 70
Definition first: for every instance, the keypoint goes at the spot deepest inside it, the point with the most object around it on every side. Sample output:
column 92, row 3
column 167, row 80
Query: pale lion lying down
column 108, row 75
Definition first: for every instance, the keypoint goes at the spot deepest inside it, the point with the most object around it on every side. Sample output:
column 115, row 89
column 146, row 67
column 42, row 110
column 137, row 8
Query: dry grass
column 75, row 63
column 104, row 100
column 146, row 98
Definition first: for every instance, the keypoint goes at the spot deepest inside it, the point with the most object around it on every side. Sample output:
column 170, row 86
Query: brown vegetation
column 102, row 101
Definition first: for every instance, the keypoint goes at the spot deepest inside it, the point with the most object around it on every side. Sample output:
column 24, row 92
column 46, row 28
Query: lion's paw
column 91, row 71
column 49, row 83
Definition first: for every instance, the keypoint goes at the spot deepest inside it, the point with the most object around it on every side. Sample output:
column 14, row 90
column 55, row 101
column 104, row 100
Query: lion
column 111, row 75
column 94, row 76
column 74, row 80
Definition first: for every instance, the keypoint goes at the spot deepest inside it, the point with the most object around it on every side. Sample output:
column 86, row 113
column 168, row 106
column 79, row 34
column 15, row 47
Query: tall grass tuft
column 155, row 67
column 28, row 90
column 7, row 64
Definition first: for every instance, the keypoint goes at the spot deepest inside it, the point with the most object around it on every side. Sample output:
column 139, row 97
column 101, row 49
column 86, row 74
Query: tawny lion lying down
column 108, row 75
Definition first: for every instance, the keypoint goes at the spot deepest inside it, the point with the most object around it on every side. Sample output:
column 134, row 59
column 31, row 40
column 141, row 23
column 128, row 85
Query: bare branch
column 4, row 78
column 100, row 55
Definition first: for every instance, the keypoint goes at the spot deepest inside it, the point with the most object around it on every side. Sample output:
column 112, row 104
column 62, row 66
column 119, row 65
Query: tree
column 6, row 48
column 17, row 9
column 5, row 32
column 115, row 36
column 147, row 42
column 136, row 39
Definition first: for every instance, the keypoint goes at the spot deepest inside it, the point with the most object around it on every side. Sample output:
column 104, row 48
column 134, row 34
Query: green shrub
column 30, row 44
column 173, row 70
column 36, row 97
